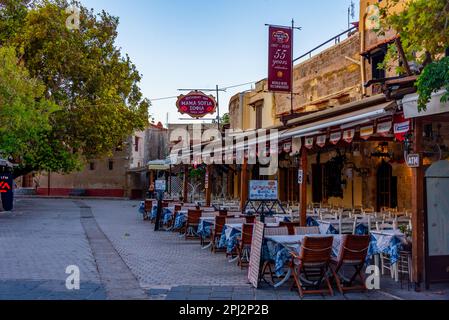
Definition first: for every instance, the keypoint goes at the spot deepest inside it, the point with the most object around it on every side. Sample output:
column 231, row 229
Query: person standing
column 151, row 190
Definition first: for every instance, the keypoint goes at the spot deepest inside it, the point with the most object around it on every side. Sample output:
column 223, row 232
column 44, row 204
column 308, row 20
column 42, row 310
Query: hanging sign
column 335, row 137
column 413, row 161
column 196, row 104
column 296, row 145
column 348, row 135
column 287, row 147
column 384, row 128
column 401, row 127
column 321, row 141
column 366, row 132
column 280, row 56
column 309, row 143
column 300, row 176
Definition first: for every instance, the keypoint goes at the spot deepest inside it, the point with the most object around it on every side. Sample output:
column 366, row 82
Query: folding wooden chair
column 307, row 230
column 192, row 223
column 290, row 225
column 310, row 268
column 216, row 233
column 148, row 209
column 352, row 254
column 244, row 246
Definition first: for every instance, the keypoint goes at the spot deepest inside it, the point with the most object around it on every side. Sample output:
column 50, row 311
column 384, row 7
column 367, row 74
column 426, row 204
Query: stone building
column 124, row 174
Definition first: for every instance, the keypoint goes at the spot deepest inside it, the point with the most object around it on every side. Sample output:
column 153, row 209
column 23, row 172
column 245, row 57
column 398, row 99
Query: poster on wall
column 266, row 190
column 280, row 55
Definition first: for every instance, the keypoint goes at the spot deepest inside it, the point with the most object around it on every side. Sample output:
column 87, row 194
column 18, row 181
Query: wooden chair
column 192, row 223
column 291, row 226
column 216, row 233
column 244, row 246
column 250, row 219
column 148, row 209
column 307, row 230
column 310, row 268
column 353, row 253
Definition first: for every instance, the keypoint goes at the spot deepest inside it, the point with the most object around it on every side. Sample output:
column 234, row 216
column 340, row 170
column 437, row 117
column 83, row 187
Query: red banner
column 280, row 59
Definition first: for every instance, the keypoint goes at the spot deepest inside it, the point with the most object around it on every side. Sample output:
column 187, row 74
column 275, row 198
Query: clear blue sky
column 200, row 43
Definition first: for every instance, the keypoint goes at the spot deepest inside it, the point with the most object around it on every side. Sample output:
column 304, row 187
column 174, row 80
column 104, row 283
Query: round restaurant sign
column 196, row 104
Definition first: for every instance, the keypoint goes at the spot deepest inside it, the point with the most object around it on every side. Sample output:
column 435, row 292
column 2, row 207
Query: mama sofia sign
column 196, row 104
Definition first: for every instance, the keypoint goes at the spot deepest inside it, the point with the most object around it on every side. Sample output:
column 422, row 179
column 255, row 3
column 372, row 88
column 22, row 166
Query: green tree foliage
column 423, row 27
column 82, row 71
column 25, row 118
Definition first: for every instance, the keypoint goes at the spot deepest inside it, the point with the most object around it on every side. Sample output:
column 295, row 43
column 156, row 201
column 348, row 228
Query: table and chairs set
column 334, row 248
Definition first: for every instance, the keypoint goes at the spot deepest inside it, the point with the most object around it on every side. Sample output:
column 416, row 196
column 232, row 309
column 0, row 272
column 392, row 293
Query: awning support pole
column 303, row 187
column 185, row 191
column 244, row 184
column 418, row 209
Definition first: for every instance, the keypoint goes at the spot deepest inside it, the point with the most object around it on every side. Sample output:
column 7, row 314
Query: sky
column 190, row 44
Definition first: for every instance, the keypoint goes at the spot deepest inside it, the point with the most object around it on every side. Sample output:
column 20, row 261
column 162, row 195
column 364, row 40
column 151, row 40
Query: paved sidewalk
column 37, row 243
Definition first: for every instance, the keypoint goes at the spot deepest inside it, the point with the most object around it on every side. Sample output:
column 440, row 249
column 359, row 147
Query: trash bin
column 6, row 191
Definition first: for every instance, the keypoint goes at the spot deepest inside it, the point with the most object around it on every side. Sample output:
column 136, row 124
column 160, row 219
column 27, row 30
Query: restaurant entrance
column 387, row 187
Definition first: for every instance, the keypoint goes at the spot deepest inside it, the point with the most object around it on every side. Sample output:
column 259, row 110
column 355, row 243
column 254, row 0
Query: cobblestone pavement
column 44, row 236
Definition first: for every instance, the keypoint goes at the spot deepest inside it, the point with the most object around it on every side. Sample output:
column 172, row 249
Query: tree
column 83, row 72
column 25, row 117
column 423, row 27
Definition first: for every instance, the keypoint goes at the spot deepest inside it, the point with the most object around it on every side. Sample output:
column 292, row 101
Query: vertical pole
column 244, row 184
column 207, row 185
column 218, row 108
column 292, row 77
column 170, row 175
column 418, row 209
column 303, row 192
column 185, row 184
column 48, row 183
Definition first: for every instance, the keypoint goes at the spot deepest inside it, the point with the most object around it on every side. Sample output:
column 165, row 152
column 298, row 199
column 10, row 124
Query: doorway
column 387, row 187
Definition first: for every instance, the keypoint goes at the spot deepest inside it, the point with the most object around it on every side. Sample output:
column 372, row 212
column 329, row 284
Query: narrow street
column 121, row 257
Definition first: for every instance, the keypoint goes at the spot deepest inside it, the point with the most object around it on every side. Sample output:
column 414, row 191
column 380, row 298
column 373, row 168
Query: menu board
column 263, row 190
column 161, row 185
column 255, row 255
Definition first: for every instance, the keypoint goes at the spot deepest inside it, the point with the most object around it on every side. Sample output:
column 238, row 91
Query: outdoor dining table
column 278, row 249
column 389, row 242
column 230, row 234
column 205, row 226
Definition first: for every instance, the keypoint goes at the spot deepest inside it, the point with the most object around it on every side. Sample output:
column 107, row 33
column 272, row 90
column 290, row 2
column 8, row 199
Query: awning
column 410, row 105
column 345, row 120
column 161, row 165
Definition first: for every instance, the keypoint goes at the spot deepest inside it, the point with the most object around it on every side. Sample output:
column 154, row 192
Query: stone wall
column 330, row 78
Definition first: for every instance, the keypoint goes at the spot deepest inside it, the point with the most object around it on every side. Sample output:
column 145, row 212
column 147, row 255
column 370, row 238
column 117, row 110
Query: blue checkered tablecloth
column 180, row 220
column 205, row 228
column 229, row 238
column 325, row 228
column 167, row 215
column 388, row 242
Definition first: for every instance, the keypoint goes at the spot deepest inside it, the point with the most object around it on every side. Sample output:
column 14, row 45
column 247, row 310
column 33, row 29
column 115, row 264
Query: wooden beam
column 207, row 184
column 418, row 209
column 402, row 56
column 244, row 184
column 303, row 188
